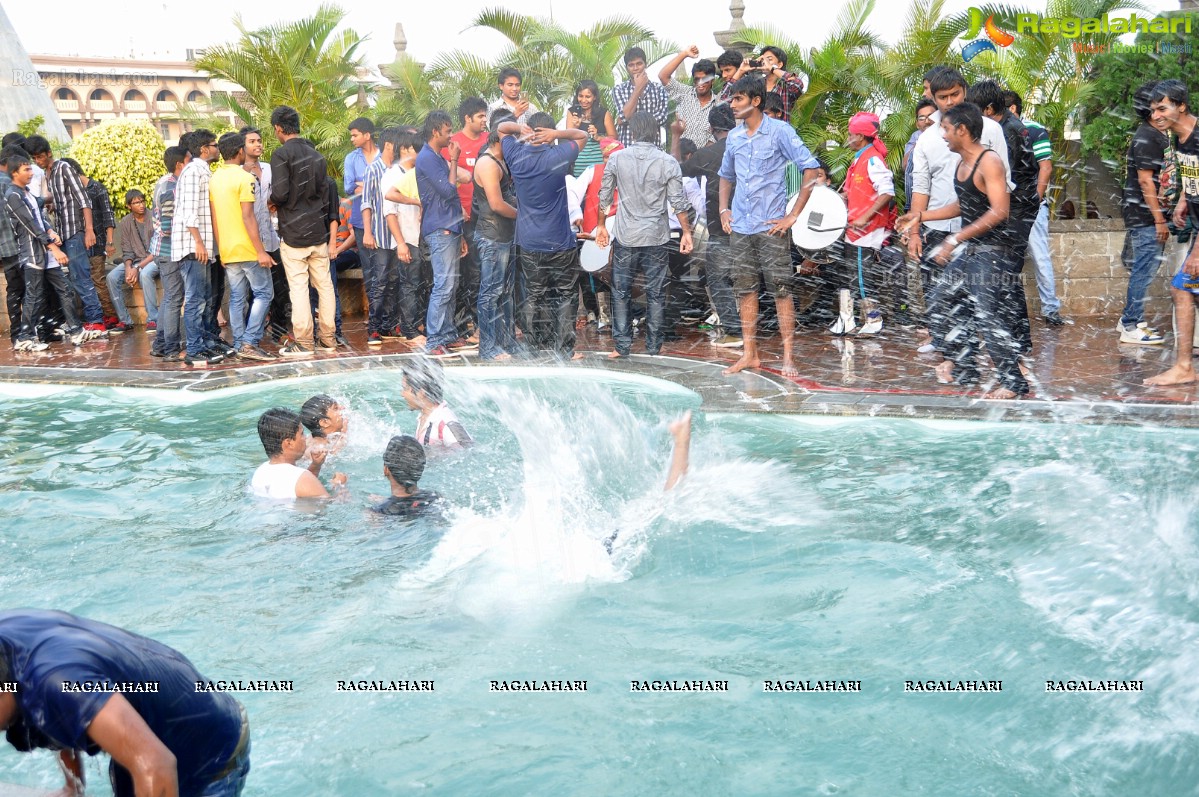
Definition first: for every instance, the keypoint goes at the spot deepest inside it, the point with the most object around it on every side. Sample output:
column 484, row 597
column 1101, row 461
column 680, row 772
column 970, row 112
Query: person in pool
column 680, row 460
column 282, row 434
column 403, row 465
column 74, row 685
column 328, row 424
column 438, row 426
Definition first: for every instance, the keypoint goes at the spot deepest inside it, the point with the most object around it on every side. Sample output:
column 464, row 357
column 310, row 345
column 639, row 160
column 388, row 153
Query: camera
column 755, row 62
column 576, row 109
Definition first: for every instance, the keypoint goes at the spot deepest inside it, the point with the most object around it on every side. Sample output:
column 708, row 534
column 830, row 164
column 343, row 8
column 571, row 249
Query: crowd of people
column 469, row 230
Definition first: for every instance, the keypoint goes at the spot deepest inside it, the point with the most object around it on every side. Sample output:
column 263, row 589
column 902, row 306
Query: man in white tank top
column 283, row 438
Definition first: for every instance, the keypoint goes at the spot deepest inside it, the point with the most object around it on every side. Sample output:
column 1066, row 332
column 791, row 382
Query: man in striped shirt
column 73, row 209
column 380, row 264
column 166, row 337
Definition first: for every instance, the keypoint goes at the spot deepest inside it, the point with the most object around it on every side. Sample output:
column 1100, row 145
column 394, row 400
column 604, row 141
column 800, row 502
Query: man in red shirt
column 471, row 141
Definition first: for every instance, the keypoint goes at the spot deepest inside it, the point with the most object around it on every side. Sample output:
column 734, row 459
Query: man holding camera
column 772, row 64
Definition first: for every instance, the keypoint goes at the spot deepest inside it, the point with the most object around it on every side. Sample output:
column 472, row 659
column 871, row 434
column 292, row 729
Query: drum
column 821, row 223
column 592, row 258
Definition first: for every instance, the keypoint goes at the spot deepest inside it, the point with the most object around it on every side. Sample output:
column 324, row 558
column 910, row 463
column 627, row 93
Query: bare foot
column 502, row 357
column 1000, row 393
column 614, row 355
column 743, row 363
column 1178, row 375
column 578, row 355
column 418, row 342
column 944, row 371
column 789, row 370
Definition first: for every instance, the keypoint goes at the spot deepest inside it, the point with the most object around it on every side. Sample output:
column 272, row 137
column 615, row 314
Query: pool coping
column 747, row 392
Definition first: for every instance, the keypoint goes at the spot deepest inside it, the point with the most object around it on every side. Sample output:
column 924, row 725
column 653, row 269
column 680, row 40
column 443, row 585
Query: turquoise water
column 878, row 551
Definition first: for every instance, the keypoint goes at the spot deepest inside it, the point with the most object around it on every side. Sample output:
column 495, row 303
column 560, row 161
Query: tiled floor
column 1080, row 373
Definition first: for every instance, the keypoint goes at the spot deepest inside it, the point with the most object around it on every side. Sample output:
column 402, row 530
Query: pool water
column 877, row 551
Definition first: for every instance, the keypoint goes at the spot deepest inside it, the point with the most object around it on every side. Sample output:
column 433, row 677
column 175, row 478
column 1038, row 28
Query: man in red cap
column 870, row 193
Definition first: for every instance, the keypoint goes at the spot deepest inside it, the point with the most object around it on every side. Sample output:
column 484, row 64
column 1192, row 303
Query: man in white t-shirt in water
column 283, row 438
column 438, row 425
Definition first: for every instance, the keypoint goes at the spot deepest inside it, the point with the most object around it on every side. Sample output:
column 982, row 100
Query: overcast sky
column 157, row 29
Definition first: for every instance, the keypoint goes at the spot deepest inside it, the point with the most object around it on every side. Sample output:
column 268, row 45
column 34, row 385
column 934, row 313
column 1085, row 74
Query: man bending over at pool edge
column 282, row 434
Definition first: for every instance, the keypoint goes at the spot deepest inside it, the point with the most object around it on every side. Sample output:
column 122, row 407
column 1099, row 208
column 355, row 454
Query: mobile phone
column 755, row 62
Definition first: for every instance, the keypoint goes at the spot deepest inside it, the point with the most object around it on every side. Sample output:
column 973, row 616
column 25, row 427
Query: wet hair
column 633, row 53
column 425, row 376
column 777, row 52
column 687, row 148
column 1011, row 98
column 230, row 144
column 541, row 119
column 644, row 127
column 751, row 86
column 286, row 119
column 729, row 58
column 362, row 125
column 75, row 167
column 1173, row 90
column 276, row 425
column 469, row 107
column 36, row 145
column 944, row 79
column 410, row 138
column 133, row 194
column 173, row 157
column 1142, row 100
column 704, row 65
column 925, row 102
column 500, row 116
column 434, row 122
column 721, row 117
column 405, row 460
column 507, row 73
column 315, row 410
column 199, row 140
column 823, row 166
column 15, row 161
column 988, row 96
column 773, row 102
column 391, row 135
column 968, row 114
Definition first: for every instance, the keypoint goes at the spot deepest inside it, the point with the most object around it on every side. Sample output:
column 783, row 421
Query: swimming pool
column 798, row 549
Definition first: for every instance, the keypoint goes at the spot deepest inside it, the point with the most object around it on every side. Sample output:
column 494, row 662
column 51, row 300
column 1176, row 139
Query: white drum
column 593, row 258
column 823, row 220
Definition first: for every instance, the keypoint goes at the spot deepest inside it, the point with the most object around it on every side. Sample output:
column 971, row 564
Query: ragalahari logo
column 994, row 35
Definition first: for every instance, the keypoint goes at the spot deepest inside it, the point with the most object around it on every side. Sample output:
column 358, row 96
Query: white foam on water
column 22, row 390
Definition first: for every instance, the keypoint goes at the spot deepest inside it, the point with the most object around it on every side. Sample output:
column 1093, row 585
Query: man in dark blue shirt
column 440, row 227
column 72, row 684
column 549, row 255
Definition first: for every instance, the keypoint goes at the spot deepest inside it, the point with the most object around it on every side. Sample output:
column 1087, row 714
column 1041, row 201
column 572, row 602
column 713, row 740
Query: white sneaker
column 845, row 323
column 1140, row 335
column 873, row 325
column 30, row 345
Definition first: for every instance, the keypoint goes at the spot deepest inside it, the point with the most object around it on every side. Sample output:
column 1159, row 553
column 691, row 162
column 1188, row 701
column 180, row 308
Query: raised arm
column 667, row 73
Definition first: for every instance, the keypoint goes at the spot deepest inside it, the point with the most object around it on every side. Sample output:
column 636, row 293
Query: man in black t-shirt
column 1170, row 104
column 1144, row 219
column 718, row 262
column 403, row 465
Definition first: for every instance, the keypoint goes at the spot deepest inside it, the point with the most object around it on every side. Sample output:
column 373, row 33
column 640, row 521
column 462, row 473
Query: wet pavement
column 1079, row 373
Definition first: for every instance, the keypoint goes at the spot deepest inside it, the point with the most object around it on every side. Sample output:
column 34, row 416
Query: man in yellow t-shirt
column 232, row 191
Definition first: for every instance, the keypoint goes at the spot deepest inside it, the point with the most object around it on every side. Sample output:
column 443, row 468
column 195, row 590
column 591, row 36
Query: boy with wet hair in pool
column 282, row 434
column 403, row 465
column 438, row 426
column 325, row 418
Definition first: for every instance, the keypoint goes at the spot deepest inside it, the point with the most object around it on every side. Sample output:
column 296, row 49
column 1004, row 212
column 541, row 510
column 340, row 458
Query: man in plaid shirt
column 637, row 94
column 772, row 64
column 73, row 208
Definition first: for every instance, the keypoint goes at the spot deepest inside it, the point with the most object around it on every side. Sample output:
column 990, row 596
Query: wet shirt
column 1188, row 171
column 757, row 164
column 1146, row 153
column 442, row 428
column 539, row 172
column 422, row 503
column 705, row 165
column 46, row 649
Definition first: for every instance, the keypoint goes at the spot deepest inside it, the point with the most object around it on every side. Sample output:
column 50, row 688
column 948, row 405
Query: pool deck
column 1081, row 374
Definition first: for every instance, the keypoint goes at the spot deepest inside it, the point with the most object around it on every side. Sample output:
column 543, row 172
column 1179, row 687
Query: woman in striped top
column 588, row 113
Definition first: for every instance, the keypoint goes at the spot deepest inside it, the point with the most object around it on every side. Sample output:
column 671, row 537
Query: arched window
column 165, row 96
column 99, row 94
column 134, row 95
column 196, row 96
column 64, row 94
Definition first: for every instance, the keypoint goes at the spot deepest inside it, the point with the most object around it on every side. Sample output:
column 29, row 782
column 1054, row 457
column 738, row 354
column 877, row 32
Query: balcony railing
column 67, row 105
column 100, row 105
column 135, row 105
column 167, row 106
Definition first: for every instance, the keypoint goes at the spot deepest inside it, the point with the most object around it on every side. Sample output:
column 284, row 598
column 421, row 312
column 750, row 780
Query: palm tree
column 305, row 64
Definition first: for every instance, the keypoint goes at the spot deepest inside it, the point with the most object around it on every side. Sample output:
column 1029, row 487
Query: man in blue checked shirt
column 755, row 160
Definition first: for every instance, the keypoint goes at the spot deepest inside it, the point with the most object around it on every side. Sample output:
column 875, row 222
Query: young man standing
column 192, row 243
column 380, row 269
column 549, row 255
column 166, row 337
column 441, row 227
column 364, row 153
column 247, row 264
column 1171, row 108
column 299, row 172
column 402, row 208
column 637, row 94
column 104, row 224
column 137, row 264
column 511, row 97
column 73, row 209
column 41, row 258
column 14, row 273
column 471, row 139
column 648, row 180
column 280, row 311
column 693, row 102
column 755, row 159
column 495, row 225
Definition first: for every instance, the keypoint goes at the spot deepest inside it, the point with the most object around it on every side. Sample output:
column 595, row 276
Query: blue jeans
column 166, row 339
column 196, row 286
column 116, row 291
column 248, row 279
column 497, row 282
column 80, row 268
column 381, row 275
column 444, row 252
column 1147, row 255
column 1038, row 246
column 406, row 308
column 718, row 271
column 626, row 260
